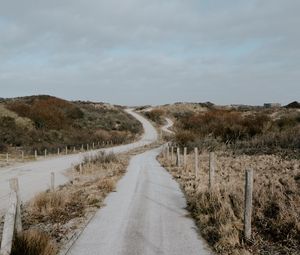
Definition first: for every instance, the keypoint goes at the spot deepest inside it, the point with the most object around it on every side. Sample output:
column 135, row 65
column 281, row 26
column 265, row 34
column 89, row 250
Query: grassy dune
column 44, row 122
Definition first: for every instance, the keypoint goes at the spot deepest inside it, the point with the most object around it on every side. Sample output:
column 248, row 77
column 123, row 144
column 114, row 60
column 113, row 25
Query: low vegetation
column 219, row 212
column 266, row 140
column 50, row 219
column 243, row 132
column 45, row 122
column 156, row 115
column 33, row 242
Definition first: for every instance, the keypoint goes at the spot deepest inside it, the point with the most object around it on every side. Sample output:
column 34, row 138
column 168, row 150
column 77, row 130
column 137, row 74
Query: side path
column 145, row 216
column 34, row 177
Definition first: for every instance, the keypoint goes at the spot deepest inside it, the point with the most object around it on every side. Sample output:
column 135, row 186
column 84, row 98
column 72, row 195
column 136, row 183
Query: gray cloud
column 138, row 51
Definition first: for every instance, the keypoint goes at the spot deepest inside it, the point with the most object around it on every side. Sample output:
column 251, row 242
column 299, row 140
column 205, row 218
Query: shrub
column 184, row 137
column 252, row 132
column 33, row 242
column 41, row 122
column 10, row 133
column 155, row 115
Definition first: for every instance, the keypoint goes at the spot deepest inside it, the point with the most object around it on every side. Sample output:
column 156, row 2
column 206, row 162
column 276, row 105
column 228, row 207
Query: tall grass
column 33, row 242
column 219, row 212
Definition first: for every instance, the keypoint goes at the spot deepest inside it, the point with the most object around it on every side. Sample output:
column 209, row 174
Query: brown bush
column 33, row 242
column 253, row 132
column 184, row 137
column 10, row 133
column 52, row 122
column 155, row 115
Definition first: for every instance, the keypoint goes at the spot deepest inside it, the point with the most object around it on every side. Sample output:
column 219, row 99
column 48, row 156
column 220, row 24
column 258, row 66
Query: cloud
column 138, row 51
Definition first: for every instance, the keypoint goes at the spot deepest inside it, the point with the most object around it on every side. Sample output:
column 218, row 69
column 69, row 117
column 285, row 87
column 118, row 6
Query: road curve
column 169, row 124
column 34, row 177
column 146, row 216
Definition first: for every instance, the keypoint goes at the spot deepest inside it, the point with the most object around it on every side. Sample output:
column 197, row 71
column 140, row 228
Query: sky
column 137, row 52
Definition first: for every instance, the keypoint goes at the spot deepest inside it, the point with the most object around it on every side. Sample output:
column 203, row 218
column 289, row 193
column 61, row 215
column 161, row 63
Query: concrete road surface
column 146, row 216
column 34, row 177
column 167, row 126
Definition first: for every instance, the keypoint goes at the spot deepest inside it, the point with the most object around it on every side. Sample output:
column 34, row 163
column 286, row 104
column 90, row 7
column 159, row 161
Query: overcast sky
column 151, row 51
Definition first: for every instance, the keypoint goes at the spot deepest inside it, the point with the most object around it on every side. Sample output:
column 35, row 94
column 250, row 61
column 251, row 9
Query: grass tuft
column 33, row 242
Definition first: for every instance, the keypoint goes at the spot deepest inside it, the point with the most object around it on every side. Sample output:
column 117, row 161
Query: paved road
column 34, row 177
column 146, row 216
column 167, row 126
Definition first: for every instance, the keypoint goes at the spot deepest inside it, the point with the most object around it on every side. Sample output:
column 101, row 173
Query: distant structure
column 272, row 105
column 295, row 105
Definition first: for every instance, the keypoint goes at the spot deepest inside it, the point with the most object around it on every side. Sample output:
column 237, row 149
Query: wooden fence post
column 87, row 147
column 66, row 150
column 35, row 154
column 178, row 157
column 184, row 156
column 45, row 153
column 14, row 185
column 22, row 155
column 168, row 153
column 172, row 155
column 211, row 169
column 52, row 185
column 74, row 149
column 7, row 157
column 248, row 203
column 93, row 145
column 196, row 163
column 58, row 152
column 9, row 225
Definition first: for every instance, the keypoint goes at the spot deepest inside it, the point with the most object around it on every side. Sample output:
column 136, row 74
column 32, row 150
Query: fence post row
column 248, row 184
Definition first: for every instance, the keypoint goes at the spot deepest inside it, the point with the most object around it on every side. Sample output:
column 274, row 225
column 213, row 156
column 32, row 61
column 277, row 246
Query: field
column 265, row 140
column 219, row 212
column 44, row 122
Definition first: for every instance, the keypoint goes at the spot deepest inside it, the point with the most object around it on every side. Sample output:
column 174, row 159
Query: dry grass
column 219, row 213
column 61, row 212
column 57, row 215
column 33, row 242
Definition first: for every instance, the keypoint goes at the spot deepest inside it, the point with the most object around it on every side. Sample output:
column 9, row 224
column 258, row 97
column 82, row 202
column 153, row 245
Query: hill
column 39, row 122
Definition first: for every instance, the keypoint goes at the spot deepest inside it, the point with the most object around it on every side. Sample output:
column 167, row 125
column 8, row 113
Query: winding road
column 34, row 177
column 145, row 216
